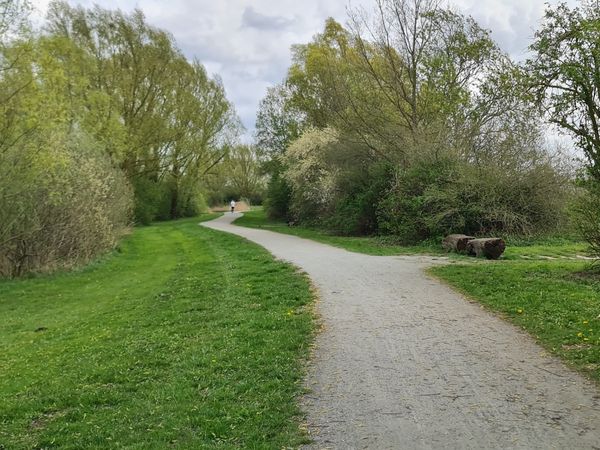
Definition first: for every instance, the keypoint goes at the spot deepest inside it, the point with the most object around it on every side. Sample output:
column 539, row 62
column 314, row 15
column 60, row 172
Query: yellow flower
column 579, row 334
column 586, row 322
column 520, row 311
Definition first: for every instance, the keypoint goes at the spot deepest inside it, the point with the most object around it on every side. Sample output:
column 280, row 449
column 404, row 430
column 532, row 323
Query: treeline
column 412, row 122
column 103, row 122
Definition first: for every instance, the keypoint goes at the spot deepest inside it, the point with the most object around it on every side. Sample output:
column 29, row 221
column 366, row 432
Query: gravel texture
column 404, row 362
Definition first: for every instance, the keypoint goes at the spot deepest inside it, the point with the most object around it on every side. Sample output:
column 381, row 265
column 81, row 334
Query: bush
column 587, row 210
column 356, row 211
column 152, row 200
column 279, row 195
column 432, row 198
column 411, row 208
column 311, row 176
column 190, row 200
column 62, row 202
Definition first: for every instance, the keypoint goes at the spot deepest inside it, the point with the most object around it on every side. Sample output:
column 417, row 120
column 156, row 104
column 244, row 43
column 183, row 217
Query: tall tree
column 176, row 122
column 278, row 122
column 565, row 73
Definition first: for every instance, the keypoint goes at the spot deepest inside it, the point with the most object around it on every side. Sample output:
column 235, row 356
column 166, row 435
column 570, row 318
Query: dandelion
column 520, row 311
column 580, row 334
column 585, row 322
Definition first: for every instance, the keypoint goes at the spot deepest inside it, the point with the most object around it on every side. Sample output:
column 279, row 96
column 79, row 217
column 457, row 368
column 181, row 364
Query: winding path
column 403, row 362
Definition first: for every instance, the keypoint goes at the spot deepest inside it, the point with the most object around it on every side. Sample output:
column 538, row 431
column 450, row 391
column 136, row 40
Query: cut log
column 491, row 248
column 456, row 242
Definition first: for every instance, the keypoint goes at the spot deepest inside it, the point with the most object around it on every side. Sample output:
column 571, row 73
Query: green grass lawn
column 369, row 245
column 516, row 248
column 184, row 338
column 545, row 248
column 555, row 301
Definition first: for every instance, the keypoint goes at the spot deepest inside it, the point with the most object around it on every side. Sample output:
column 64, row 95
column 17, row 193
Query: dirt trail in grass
column 403, row 362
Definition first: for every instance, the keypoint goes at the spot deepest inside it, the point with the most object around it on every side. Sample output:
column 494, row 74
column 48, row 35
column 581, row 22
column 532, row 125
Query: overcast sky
column 247, row 42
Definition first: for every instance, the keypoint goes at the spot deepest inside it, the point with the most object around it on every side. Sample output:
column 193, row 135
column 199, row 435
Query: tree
column 162, row 118
column 565, row 74
column 13, row 18
column 62, row 200
column 432, row 130
column 277, row 121
column 412, row 72
column 244, row 172
column 427, row 63
column 96, row 108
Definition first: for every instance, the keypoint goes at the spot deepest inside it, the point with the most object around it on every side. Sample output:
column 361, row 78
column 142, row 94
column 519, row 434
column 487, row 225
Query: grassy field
column 558, row 302
column 184, row 338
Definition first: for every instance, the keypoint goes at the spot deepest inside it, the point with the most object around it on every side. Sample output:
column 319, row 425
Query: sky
column 247, row 42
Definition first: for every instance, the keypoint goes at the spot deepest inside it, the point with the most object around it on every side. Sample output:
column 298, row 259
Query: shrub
column 310, row 175
column 190, row 200
column 587, row 210
column 279, row 196
column 356, row 211
column 440, row 196
column 63, row 202
column 411, row 208
column 152, row 200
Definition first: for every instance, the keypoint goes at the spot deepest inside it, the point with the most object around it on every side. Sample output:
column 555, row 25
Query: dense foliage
column 165, row 121
column 238, row 176
column 565, row 75
column 412, row 122
column 103, row 121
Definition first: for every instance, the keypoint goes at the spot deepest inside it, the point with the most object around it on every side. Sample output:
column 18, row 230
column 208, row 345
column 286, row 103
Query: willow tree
column 176, row 121
column 62, row 200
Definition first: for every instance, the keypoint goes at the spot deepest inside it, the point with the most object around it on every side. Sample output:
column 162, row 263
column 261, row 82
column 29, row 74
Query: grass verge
column 545, row 248
column 185, row 338
column 368, row 245
column 555, row 301
column 536, row 249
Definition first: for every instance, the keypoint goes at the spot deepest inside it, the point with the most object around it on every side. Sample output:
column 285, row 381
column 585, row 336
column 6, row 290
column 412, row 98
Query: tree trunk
column 491, row 248
column 456, row 242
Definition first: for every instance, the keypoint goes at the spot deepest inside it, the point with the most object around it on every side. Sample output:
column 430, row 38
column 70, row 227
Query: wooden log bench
column 491, row 248
column 456, row 242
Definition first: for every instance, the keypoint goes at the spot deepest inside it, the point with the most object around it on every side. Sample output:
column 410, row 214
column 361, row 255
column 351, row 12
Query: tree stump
column 491, row 248
column 456, row 242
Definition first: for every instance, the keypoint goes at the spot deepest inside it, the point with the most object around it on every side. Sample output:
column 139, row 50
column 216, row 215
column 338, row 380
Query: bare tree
column 402, row 31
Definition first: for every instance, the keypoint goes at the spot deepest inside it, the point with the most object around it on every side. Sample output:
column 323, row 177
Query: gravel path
column 403, row 362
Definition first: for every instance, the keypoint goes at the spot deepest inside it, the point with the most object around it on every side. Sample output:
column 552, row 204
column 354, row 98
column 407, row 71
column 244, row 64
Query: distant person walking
column 232, row 204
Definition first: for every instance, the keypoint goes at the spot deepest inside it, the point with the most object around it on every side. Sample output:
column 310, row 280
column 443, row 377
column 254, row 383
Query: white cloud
column 247, row 42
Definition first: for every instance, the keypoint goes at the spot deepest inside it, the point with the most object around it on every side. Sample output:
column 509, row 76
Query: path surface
column 403, row 362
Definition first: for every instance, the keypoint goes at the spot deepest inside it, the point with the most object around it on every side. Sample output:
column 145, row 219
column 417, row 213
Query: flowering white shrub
column 312, row 178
